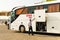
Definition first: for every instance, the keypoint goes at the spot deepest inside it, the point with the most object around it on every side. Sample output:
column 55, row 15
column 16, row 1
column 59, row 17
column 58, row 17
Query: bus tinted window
column 21, row 11
column 39, row 7
column 45, row 6
column 53, row 8
column 18, row 11
column 31, row 9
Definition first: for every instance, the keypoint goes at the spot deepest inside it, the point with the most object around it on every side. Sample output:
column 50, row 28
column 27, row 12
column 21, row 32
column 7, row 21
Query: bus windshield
column 16, row 13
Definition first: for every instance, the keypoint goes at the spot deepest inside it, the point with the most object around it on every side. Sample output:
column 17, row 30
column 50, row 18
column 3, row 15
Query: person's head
column 30, row 19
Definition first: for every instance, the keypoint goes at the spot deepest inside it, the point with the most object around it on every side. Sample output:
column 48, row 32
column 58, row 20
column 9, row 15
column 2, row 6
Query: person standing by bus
column 30, row 25
column 8, row 24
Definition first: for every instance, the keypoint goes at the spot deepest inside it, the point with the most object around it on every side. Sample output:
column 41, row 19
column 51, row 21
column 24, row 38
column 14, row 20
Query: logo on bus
column 28, row 15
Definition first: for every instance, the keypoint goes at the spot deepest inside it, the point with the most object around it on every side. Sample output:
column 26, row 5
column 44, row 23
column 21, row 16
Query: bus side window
column 21, row 11
column 46, row 7
column 39, row 7
column 18, row 11
column 53, row 8
column 31, row 9
column 25, row 11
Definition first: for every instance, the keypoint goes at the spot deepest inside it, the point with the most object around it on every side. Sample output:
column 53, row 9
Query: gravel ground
column 6, row 34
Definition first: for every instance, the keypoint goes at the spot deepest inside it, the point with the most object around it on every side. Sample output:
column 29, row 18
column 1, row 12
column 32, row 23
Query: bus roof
column 46, row 3
column 40, row 3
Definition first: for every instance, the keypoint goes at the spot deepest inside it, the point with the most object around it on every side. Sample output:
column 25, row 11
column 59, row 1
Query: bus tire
column 22, row 28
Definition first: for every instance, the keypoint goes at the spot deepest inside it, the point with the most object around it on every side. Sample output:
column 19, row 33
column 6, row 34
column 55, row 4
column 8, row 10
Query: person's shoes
column 32, row 34
column 29, row 34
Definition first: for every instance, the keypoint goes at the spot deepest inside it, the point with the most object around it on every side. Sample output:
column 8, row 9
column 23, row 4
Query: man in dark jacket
column 30, row 26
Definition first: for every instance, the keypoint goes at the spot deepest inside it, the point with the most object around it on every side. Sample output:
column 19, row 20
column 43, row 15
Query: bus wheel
column 22, row 29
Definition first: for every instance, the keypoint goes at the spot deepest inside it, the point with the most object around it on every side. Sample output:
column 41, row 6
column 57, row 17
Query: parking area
column 6, row 34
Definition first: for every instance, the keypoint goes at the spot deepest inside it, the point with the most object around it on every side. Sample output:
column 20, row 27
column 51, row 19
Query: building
column 4, row 16
column 3, row 13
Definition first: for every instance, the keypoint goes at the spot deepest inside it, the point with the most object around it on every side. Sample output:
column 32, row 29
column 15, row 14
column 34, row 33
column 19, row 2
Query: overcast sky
column 7, row 5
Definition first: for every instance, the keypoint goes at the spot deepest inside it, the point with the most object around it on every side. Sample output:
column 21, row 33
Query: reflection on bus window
column 18, row 11
column 21, row 11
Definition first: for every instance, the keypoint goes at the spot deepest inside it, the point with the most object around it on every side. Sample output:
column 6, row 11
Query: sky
column 7, row 5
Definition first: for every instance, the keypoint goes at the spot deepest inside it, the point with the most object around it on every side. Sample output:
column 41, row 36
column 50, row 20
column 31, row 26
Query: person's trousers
column 30, row 30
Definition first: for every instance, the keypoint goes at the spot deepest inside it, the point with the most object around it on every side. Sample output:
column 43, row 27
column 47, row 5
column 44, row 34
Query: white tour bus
column 46, row 17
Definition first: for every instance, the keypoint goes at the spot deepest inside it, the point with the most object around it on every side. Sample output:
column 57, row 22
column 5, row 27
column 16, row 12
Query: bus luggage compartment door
column 53, row 23
column 40, row 15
